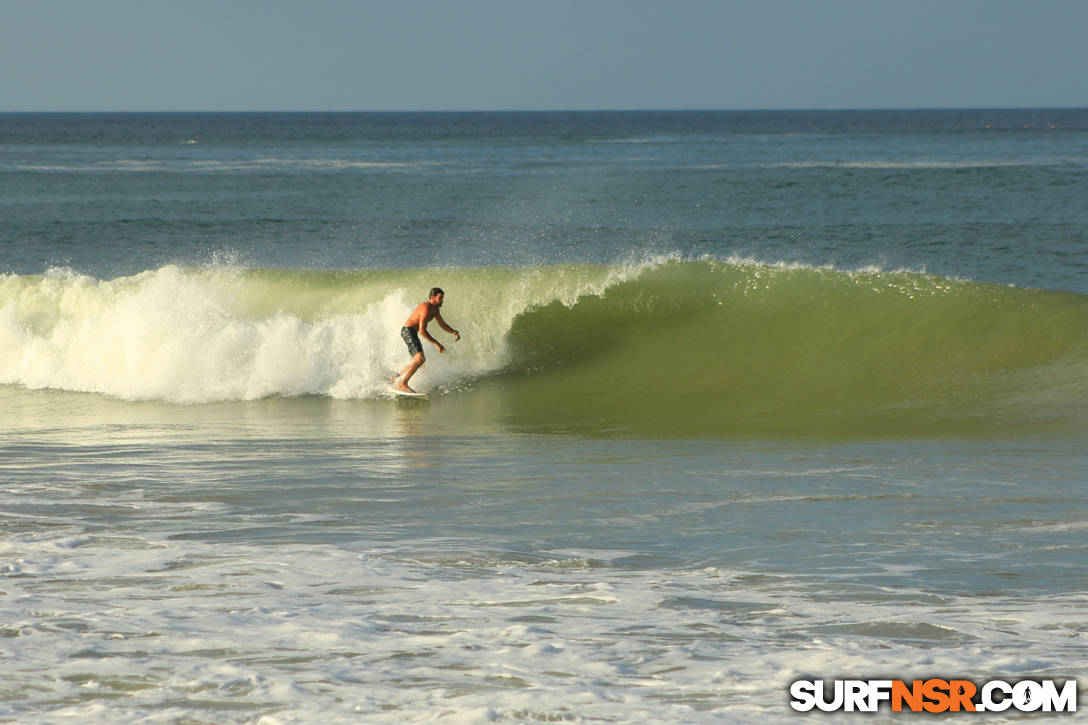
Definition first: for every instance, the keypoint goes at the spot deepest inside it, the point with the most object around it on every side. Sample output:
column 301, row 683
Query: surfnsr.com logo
column 933, row 695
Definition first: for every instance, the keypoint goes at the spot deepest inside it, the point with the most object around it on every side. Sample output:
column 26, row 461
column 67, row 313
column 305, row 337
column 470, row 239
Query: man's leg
column 408, row 372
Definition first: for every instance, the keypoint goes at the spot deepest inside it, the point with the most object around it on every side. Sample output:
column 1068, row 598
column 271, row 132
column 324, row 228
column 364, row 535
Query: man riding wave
column 414, row 328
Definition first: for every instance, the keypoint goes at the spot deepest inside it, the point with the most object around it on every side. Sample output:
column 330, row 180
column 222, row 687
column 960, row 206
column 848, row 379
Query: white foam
column 279, row 633
column 182, row 337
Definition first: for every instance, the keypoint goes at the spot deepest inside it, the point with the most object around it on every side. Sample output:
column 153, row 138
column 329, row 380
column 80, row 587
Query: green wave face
column 710, row 348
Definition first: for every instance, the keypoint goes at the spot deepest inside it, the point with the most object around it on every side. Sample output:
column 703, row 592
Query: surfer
column 415, row 327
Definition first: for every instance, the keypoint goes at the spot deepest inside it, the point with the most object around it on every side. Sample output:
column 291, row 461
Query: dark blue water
column 988, row 195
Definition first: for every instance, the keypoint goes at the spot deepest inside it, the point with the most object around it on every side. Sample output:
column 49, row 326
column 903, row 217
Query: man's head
column 437, row 296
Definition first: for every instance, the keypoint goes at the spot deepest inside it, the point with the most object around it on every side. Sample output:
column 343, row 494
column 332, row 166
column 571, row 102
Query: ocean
column 741, row 399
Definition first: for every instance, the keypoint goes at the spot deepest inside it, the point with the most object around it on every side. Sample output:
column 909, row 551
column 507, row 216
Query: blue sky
column 154, row 55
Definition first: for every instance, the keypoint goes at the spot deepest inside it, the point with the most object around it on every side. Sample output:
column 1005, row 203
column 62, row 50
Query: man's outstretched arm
column 444, row 326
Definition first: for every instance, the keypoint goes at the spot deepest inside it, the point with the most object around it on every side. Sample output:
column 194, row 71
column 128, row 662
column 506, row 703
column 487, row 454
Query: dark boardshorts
column 411, row 339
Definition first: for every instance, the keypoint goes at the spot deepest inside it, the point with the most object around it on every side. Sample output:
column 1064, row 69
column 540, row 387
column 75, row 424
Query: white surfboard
column 405, row 394
column 397, row 392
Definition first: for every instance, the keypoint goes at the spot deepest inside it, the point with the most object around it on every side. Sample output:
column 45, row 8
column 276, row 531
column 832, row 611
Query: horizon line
column 554, row 110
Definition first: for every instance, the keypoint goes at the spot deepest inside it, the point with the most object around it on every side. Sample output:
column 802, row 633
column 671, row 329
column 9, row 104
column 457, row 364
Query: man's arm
column 427, row 336
column 444, row 326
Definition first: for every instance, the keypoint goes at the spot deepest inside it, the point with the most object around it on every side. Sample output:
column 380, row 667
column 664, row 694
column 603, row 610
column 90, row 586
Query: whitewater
column 203, row 335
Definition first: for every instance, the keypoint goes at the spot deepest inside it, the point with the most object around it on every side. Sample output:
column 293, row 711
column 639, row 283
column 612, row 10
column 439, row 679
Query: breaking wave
column 661, row 347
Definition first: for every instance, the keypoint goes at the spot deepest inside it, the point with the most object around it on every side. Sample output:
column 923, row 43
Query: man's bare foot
column 405, row 388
